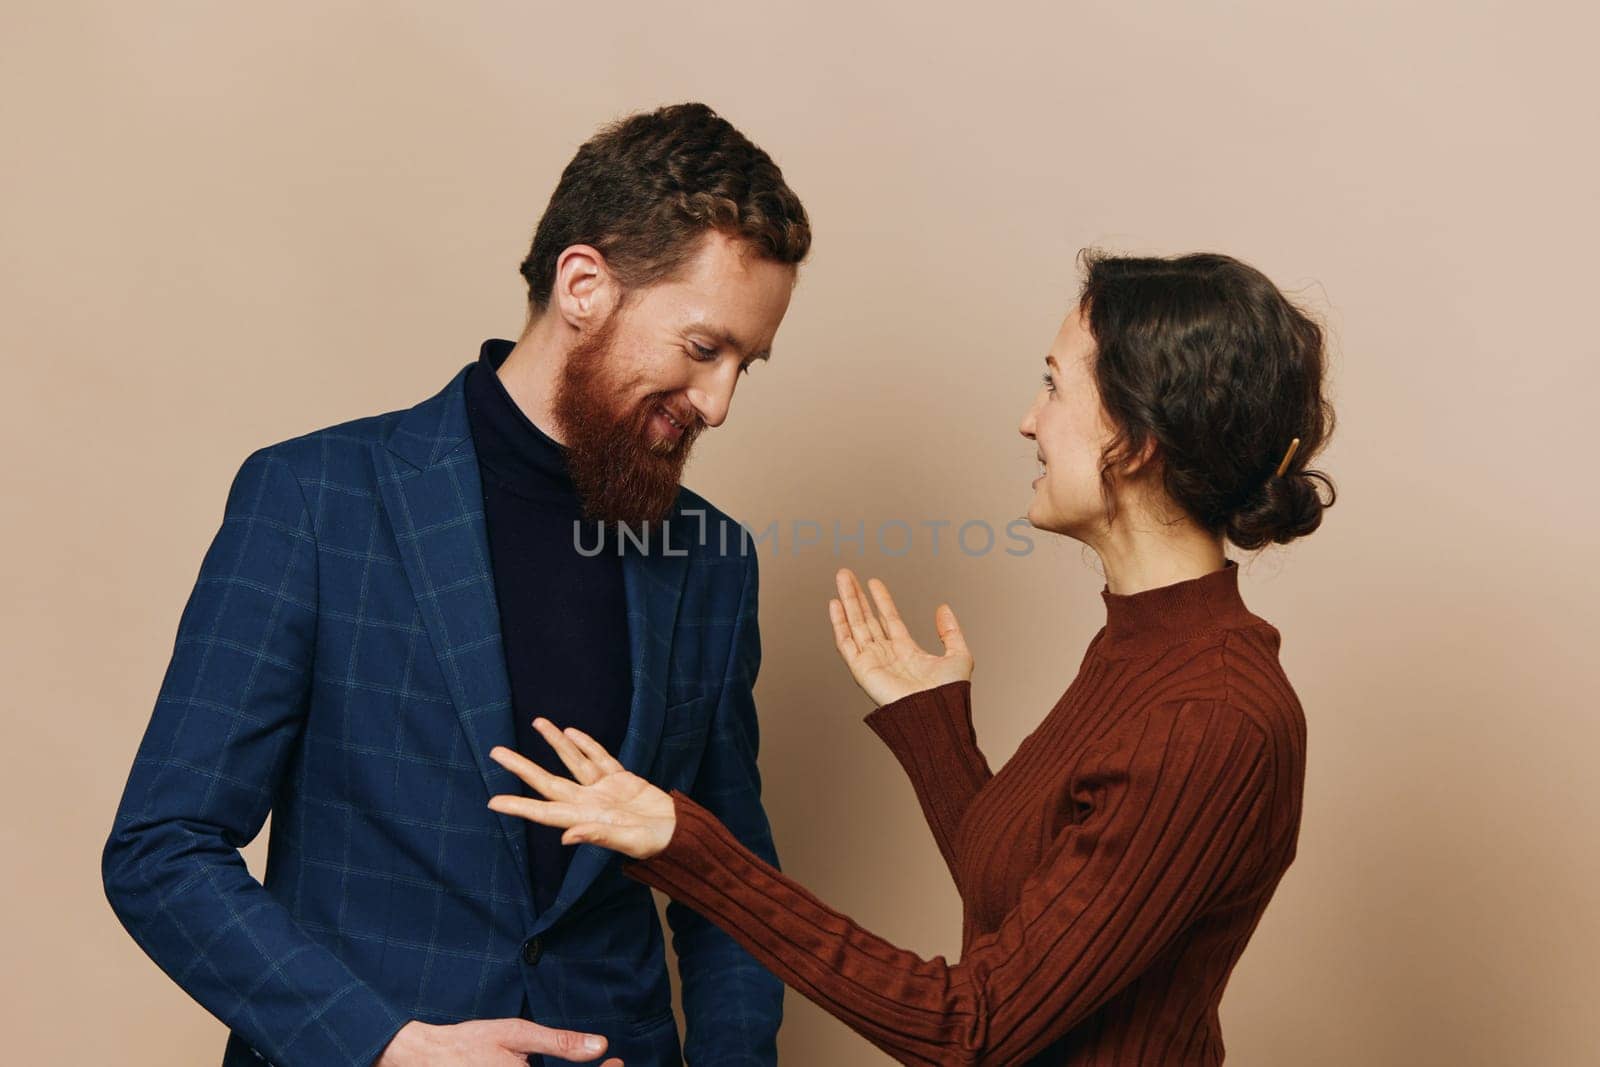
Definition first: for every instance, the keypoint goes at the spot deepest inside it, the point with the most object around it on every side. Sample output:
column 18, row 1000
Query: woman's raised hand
column 606, row 805
column 880, row 652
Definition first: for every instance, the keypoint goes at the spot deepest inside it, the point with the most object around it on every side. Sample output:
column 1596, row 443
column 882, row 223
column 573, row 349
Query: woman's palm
column 880, row 652
column 603, row 803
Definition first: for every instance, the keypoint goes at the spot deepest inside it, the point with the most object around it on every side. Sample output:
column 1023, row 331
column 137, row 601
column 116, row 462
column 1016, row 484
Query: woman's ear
column 1146, row 461
column 585, row 291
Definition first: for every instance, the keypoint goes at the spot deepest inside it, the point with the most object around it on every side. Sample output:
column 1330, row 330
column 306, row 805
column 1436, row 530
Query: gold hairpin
column 1287, row 456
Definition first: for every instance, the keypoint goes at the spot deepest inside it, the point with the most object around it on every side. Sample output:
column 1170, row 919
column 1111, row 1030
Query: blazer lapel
column 428, row 479
column 653, row 585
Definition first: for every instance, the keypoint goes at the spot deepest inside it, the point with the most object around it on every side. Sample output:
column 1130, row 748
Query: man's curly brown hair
column 645, row 190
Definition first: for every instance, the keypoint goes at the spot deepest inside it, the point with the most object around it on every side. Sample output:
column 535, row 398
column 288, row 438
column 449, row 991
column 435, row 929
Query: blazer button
column 532, row 949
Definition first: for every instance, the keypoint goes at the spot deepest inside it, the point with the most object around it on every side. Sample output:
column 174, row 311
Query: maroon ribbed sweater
column 1111, row 872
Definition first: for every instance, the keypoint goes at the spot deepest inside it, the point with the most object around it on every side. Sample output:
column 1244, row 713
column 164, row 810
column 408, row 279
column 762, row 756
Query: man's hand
column 488, row 1043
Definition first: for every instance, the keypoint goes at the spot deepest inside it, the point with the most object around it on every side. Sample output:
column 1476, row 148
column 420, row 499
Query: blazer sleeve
column 931, row 734
column 732, row 1005
column 227, row 717
column 1172, row 813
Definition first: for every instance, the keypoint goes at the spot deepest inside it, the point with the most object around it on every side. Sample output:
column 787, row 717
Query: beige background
column 225, row 226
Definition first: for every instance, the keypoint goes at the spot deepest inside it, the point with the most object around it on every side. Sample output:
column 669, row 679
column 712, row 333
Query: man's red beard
column 620, row 471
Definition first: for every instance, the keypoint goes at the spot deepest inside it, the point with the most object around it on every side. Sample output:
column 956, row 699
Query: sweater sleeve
column 1169, row 819
column 931, row 734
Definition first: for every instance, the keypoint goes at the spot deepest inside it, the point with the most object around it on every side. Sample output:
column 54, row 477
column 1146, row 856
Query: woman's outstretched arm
column 930, row 733
column 1174, row 819
column 924, row 711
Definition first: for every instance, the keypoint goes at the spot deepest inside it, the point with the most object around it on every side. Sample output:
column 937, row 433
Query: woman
column 1113, row 870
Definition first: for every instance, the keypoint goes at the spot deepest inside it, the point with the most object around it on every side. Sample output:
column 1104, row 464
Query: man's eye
column 702, row 352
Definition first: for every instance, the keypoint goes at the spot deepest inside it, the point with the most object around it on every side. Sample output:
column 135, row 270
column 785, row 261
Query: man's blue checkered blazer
column 339, row 664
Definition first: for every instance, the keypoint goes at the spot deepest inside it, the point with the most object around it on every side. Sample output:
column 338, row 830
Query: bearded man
column 389, row 599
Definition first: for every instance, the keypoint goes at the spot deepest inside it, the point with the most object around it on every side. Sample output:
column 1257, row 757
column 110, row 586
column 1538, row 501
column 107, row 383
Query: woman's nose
column 1029, row 424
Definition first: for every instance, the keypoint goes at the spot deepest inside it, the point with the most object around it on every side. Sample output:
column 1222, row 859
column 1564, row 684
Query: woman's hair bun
column 1285, row 507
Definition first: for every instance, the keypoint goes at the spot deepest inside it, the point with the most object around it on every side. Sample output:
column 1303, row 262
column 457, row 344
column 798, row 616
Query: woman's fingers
column 841, row 631
column 893, row 625
column 574, row 758
column 543, row 812
column 863, row 624
column 873, row 624
column 606, row 828
column 852, row 608
column 944, row 620
column 595, row 751
column 585, row 811
column 534, row 775
column 602, row 824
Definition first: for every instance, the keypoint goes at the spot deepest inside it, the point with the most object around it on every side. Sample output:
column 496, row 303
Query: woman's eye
column 1049, row 383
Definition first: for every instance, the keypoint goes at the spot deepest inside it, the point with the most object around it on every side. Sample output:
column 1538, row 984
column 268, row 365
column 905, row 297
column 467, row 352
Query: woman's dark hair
column 646, row 188
column 1202, row 354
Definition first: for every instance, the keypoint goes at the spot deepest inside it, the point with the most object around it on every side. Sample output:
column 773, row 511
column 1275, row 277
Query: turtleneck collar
column 1157, row 618
column 510, row 446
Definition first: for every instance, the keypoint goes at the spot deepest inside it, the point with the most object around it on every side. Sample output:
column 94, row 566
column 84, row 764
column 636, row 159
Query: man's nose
column 713, row 396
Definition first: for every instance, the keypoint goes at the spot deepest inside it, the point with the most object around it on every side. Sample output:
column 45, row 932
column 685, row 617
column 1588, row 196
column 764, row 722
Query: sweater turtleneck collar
column 1157, row 618
column 521, row 456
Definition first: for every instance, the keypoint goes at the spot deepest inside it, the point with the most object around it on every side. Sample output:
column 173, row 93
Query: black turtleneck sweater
column 563, row 616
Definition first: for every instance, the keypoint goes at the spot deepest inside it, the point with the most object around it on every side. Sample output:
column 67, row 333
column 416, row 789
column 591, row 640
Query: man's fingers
column 520, row 1035
column 534, row 775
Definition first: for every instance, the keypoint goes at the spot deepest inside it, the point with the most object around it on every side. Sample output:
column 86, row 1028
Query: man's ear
column 585, row 291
